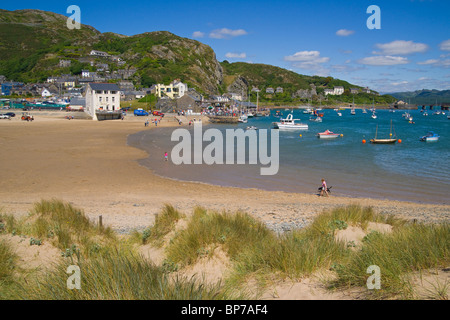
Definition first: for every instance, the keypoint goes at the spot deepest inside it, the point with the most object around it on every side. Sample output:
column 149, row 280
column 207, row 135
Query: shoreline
column 90, row 165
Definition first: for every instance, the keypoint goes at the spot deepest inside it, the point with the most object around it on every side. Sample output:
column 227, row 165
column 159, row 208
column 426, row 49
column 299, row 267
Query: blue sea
column 411, row 170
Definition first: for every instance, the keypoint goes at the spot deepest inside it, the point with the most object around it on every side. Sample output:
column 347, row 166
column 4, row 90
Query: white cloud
column 309, row 60
column 198, row 34
column 344, row 32
column 383, row 61
column 400, row 47
column 233, row 55
column 445, row 45
column 226, row 33
column 429, row 61
column 307, row 56
column 443, row 63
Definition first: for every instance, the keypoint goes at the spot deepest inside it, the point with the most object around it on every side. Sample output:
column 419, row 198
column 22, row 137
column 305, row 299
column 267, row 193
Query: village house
column 338, row 90
column 97, row 53
column 102, row 97
column 176, row 89
column 328, row 91
column 354, row 90
column 279, row 90
column 270, row 90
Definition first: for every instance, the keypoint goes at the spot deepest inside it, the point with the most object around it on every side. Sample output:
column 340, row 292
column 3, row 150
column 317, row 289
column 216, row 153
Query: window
column 106, row 99
column 113, row 99
column 99, row 99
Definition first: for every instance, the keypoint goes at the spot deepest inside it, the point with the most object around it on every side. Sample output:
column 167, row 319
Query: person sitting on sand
column 324, row 188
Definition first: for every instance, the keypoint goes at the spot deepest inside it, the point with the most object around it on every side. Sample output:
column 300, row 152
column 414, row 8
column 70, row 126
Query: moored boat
column 327, row 134
column 430, row 137
column 289, row 123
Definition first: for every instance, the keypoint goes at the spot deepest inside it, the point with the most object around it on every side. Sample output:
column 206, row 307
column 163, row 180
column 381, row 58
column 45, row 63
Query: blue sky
column 411, row 51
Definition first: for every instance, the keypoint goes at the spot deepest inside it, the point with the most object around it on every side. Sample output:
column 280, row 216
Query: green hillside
column 424, row 97
column 34, row 42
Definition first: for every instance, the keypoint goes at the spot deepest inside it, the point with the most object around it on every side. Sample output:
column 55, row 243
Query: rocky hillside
column 36, row 44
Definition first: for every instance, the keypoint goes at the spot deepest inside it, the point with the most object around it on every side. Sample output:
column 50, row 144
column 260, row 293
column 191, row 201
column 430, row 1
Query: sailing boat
column 390, row 140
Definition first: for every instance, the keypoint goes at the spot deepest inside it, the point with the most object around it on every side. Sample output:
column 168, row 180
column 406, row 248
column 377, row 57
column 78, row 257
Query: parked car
column 4, row 116
column 140, row 112
column 11, row 114
column 158, row 113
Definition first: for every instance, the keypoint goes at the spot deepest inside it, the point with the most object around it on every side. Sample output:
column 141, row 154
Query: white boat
column 339, row 114
column 289, row 123
column 327, row 134
column 307, row 110
column 243, row 119
column 249, row 115
column 374, row 116
column 315, row 119
column 364, row 110
column 352, row 112
column 430, row 137
column 251, row 128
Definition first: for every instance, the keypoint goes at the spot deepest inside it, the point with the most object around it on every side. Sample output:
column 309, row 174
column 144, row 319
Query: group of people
column 156, row 121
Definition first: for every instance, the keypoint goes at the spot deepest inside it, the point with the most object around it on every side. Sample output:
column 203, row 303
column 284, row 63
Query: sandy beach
column 89, row 164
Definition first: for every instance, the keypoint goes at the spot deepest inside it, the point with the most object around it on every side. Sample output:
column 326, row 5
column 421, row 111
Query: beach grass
column 112, row 268
column 411, row 248
column 118, row 275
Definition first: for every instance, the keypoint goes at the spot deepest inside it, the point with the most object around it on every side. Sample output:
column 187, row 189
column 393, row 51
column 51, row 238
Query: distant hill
column 428, row 97
column 33, row 43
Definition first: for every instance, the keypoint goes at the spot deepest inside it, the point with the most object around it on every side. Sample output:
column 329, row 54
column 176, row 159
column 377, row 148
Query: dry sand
column 89, row 164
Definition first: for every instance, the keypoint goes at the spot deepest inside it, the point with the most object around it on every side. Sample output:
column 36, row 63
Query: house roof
column 104, row 86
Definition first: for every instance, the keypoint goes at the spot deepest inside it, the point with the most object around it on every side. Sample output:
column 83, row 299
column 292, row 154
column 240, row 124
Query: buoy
column 342, row 135
column 399, row 140
column 364, row 141
column 300, row 135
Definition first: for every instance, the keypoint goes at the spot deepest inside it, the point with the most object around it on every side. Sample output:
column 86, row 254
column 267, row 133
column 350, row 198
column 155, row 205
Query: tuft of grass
column 119, row 275
column 412, row 247
column 233, row 232
column 164, row 223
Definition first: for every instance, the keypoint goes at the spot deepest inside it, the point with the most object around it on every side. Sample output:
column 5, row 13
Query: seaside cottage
column 102, row 97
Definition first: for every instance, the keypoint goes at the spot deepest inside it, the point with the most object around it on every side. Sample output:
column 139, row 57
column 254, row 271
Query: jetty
column 223, row 119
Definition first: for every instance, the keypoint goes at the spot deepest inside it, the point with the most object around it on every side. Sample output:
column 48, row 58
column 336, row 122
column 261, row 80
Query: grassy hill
column 33, row 42
column 424, row 96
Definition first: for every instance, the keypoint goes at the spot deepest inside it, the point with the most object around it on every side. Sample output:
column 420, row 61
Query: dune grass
column 413, row 247
column 111, row 268
column 119, row 275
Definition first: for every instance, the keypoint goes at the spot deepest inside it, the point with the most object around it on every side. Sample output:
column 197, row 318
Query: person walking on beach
column 166, row 156
column 324, row 188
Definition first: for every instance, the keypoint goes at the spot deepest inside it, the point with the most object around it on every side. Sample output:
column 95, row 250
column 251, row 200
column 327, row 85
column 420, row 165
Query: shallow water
column 412, row 170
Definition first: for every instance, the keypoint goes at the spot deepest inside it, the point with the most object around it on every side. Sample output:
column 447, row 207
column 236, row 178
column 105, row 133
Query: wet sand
column 89, row 164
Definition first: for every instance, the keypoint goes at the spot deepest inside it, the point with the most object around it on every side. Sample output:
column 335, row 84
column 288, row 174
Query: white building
column 46, row 93
column 328, row 91
column 85, row 73
column 338, row 90
column 176, row 89
column 102, row 97
column 97, row 53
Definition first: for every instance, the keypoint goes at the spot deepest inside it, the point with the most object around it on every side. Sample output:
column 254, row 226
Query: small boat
column 251, row 128
column 364, row 110
column 289, row 124
column 425, row 114
column 374, row 116
column 327, row 134
column 389, row 140
column 315, row 119
column 430, row 137
column 339, row 114
column 243, row 119
column 352, row 112
column 249, row 115
column 307, row 110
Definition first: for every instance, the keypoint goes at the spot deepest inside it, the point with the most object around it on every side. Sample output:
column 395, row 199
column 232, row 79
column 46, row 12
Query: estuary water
column 411, row 170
